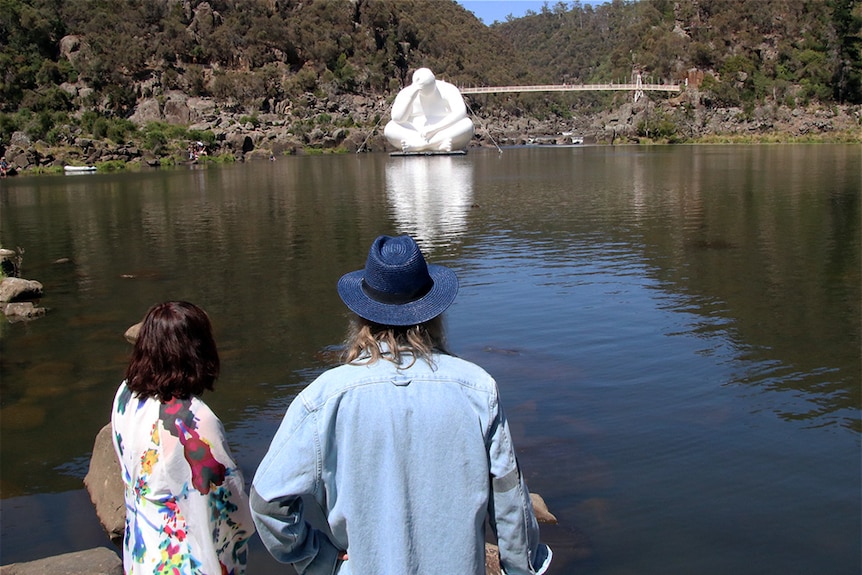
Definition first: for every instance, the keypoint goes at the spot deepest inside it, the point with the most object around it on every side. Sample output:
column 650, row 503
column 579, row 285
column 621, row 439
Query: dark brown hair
column 175, row 355
column 419, row 341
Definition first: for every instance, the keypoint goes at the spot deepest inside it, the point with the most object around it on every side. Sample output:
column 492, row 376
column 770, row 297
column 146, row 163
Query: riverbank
column 179, row 129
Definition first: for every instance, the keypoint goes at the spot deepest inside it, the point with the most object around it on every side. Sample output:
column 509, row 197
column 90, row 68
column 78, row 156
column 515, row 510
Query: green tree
column 847, row 79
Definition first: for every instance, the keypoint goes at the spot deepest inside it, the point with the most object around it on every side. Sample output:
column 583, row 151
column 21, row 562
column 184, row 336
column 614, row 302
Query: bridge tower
column 639, row 88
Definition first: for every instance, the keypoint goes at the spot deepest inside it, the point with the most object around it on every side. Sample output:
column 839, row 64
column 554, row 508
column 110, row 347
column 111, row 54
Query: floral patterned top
column 186, row 508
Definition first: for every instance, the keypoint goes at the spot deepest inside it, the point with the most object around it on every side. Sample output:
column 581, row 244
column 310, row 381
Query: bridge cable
column 371, row 133
column 480, row 123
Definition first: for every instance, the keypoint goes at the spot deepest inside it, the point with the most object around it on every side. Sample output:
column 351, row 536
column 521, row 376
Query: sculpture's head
column 424, row 78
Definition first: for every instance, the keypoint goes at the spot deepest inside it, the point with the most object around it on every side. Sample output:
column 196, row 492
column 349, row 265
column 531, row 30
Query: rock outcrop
column 352, row 123
column 22, row 311
column 105, row 486
column 131, row 334
column 9, row 262
column 15, row 294
column 18, row 289
column 98, row 561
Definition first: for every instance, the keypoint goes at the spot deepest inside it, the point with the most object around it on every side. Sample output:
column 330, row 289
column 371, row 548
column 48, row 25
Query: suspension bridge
column 637, row 88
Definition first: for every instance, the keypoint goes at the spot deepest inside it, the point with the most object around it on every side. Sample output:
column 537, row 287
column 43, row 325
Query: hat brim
column 439, row 297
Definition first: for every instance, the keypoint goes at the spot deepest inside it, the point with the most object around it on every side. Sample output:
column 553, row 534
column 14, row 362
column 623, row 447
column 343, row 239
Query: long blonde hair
column 420, row 341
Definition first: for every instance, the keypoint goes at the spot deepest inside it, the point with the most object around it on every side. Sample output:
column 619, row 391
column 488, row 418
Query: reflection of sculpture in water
column 431, row 199
column 429, row 115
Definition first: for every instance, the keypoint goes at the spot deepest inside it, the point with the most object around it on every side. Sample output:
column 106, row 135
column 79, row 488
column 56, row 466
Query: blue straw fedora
column 397, row 287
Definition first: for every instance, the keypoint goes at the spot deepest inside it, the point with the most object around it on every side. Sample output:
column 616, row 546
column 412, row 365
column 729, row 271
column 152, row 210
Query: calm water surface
column 675, row 331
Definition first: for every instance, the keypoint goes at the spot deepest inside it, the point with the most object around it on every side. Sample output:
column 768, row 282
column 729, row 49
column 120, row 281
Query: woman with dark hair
column 186, row 508
column 404, row 449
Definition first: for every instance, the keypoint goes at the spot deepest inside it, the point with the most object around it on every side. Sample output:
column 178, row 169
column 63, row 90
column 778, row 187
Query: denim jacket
column 399, row 467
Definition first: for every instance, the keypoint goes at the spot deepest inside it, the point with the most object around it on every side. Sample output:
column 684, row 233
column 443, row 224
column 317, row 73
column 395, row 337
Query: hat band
column 395, row 298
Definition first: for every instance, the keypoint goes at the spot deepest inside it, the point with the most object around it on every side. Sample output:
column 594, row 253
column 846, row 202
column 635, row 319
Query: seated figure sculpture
column 429, row 115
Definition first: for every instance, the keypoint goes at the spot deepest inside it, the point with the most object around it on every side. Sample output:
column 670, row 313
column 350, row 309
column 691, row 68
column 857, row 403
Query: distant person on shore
column 186, row 509
column 4, row 167
column 429, row 115
column 392, row 462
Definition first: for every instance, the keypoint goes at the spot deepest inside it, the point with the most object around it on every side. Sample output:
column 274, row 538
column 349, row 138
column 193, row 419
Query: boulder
column 202, row 110
column 21, row 158
column 147, row 111
column 9, row 262
column 492, row 560
column 492, row 552
column 69, row 88
column 205, row 20
column 540, row 509
column 17, row 289
column 22, row 311
column 20, row 139
column 176, row 111
column 98, row 561
column 69, row 45
column 239, row 142
column 131, row 334
column 105, row 485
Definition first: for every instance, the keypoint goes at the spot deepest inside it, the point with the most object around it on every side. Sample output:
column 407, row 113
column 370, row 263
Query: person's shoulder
column 201, row 409
column 122, row 389
column 208, row 423
column 465, row 369
column 333, row 381
column 123, row 397
column 456, row 360
column 342, row 379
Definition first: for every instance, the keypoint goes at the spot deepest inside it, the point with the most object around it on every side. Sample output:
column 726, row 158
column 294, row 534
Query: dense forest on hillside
column 748, row 49
column 242, row 49
column 82, row 66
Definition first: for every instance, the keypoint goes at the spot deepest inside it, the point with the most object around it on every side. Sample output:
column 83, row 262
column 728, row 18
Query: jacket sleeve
column 288, row 477
column 511, row 511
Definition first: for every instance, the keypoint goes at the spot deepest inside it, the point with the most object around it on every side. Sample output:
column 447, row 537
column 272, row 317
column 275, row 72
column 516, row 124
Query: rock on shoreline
column 98, row 561
column 350, row 123
column 16, row 293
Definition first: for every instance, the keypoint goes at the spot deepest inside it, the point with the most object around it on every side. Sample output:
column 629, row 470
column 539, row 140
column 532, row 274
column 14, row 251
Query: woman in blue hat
column 392, row 462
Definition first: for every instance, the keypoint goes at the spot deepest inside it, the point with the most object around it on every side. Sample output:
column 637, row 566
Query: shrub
column 657, row 127
column 8, row 125
column 112, row 166
column 46, row 100
column 39, row 125
column 205, row 136
column 155, row 138
column 119, row 129
column 100, row 128
column 253, row 120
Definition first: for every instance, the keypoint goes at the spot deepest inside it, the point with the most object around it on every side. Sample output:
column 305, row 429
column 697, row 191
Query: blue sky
column 489, row 10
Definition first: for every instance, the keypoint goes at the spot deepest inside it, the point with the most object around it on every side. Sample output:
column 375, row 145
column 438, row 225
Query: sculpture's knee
column 460, row 133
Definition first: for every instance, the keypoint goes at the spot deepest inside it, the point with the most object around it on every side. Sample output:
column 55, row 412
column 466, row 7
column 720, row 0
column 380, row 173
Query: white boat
column 79, row 169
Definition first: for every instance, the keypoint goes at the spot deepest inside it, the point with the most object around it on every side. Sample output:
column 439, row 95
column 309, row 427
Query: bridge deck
column 573, row 88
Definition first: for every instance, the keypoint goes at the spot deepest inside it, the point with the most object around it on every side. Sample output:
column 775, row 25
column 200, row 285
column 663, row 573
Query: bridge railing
column 573, row 88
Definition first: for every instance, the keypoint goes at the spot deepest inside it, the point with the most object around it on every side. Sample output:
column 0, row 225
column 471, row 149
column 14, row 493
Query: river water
column 675, row 331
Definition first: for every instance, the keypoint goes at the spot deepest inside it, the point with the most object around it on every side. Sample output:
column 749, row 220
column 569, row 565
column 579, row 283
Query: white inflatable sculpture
column 429, row 115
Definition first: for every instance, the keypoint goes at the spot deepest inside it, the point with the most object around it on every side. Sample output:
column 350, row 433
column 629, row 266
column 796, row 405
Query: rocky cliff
column 351, row 123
